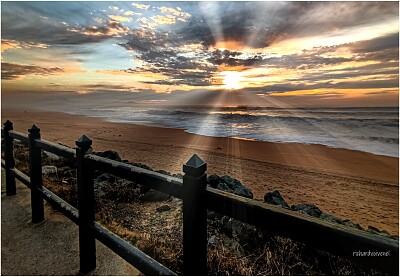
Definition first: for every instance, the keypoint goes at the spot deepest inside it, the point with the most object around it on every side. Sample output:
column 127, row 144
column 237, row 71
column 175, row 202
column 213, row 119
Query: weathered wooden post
column 9, row 158
column 35, row 172
column 194, row 217
column 87, row 241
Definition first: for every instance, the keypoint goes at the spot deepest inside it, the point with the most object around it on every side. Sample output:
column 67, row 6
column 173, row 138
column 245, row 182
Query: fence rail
column 197, row 198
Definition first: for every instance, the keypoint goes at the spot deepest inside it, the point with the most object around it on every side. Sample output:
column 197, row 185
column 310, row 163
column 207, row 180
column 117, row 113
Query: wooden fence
column 197, row 198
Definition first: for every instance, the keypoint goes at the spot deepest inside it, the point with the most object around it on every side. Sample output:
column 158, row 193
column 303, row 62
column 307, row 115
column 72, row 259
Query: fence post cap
column 195, row 166
column 34, row 129
column 8, row 125
column 83, row 142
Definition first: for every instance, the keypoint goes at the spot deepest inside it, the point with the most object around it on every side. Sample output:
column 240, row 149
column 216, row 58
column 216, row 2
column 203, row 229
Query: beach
column 349, row 184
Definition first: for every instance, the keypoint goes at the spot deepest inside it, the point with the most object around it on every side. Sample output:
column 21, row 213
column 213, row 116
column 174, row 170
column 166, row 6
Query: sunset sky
column 301, row 53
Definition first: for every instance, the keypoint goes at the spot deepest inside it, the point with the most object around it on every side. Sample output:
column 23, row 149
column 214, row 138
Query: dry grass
column 160, row 234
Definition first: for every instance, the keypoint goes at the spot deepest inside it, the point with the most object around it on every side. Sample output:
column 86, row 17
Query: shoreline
column 359, row 186
column 374, row 151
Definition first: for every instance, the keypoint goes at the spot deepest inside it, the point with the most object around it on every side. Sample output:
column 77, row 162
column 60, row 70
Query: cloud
column 131, row 13
column 176, row 12
column 110, row 29
column 120, row 18
column 25, row 23
column 11, row 44
column 141, row 6
column 11, row 71
column 390, row 41
column 262, row 24
column 364, row 84
column 161, row 19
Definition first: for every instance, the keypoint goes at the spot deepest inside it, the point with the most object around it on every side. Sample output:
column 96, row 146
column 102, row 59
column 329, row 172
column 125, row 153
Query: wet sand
column 355, row 185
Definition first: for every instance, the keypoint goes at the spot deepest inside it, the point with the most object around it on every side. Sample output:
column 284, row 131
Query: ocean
column 373, row 130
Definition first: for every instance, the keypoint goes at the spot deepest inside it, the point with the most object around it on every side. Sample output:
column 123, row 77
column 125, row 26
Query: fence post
column 194, row 217
column 87, row 241
column 35, row 172
column 9, row 159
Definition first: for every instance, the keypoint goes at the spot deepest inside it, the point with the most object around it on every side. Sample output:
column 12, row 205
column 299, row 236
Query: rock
column 176, row 200
column 226, row 226
column 235, row 246
column 178, row 175
column 372, row 229
column 106, row 177
column 49, row 169
column 141, row 166
column 213, row 180
column 163, row 172
column 330, row 218
column 352, row 224
column 153, row 195
column 376, row 231
column 224, row 187
column 275, row 198
column 229, row 184
column 109, row 154
column 163, row 208
column 51, row 156
column 309, row 209
column 213, row 240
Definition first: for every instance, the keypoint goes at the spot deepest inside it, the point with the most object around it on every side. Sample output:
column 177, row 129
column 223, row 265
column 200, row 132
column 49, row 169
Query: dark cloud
column 365, row 84
column 233, row 58
column 11, row 71
column 260, row 24
column 45, row 22
column 390, row 41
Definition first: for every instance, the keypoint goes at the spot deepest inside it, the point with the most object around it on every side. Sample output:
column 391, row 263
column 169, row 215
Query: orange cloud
column 10, row 44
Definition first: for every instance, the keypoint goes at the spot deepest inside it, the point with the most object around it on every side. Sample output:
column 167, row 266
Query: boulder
column 384, row 233
column 49, row 170
column 352, row 224
column 213, row 180
column 109, row 154
column 229, row 184
column 141, row 166
column 373, row 230
column 213, row 240
column 51, row 156
column 275, row 198
column 330, row 218
column 153, row 195
column 309, row 209
column 163, row 172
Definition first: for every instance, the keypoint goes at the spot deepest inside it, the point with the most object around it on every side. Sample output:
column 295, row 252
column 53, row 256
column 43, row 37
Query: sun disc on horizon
column 232, row 79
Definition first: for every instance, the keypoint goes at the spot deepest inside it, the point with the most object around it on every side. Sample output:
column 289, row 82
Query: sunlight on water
column 373, row 130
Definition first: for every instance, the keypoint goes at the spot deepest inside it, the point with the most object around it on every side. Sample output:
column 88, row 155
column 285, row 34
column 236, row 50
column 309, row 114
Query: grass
column 160, row 234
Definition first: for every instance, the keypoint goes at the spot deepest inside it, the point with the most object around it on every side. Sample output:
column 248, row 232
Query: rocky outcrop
column 330, row 218
column 229, row 184
column 309, row 209
column 275, row 198
column 109, row 154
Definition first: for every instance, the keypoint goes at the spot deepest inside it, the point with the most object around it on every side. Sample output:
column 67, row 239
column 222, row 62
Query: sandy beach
column 349, row 184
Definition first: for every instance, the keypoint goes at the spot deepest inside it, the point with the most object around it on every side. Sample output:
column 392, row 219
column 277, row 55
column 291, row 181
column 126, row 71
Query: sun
column 232, row 79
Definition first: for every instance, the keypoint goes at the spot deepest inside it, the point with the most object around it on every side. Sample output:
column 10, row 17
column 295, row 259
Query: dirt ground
column 47, row 248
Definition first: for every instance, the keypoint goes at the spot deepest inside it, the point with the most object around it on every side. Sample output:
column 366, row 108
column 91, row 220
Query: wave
column 370, row 130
